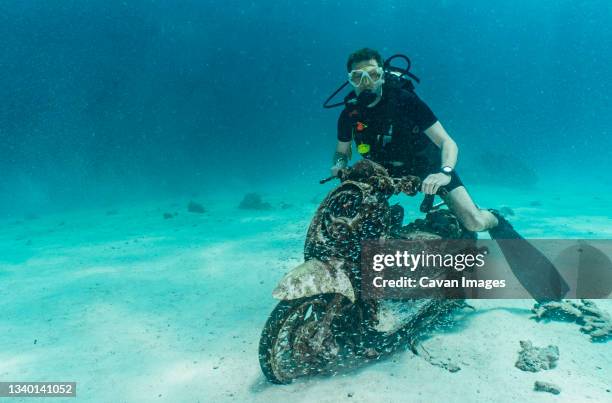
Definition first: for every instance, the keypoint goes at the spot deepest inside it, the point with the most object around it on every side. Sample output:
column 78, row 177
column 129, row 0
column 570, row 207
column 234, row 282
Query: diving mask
column 373, row 75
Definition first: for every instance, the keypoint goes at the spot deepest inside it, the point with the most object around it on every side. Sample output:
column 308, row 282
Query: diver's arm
column 449, row 150
column 344, row 147
column 341, row 156
column 448, row 147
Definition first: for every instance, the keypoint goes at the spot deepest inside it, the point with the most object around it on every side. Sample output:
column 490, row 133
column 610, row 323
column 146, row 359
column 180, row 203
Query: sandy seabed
column 138, row 308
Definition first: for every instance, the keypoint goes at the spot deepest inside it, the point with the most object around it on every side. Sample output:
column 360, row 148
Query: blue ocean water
column 118, row 112
column 108, row 100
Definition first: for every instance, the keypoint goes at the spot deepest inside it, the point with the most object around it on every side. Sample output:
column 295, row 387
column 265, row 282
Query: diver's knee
column 473, row 226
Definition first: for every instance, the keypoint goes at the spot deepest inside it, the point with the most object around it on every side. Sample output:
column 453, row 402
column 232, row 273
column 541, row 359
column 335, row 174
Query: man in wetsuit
column 398, row 130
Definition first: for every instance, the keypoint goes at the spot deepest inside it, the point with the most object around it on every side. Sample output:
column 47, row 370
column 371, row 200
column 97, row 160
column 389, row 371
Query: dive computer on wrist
column 446, row 170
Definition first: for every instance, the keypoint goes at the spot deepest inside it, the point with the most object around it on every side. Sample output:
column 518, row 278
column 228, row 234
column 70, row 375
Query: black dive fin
column 532, row 269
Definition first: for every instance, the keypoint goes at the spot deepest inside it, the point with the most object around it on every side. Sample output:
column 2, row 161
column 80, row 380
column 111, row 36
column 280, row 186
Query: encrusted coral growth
column 253, row 201
column 541, row 386
column 594, row 322
column 534, row 359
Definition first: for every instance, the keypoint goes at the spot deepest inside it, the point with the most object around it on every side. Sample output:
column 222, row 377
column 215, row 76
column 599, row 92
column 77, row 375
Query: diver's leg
column 532, row 268
column 473, row 218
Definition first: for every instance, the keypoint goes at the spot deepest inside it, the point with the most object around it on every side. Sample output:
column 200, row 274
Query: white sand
column 137, row 308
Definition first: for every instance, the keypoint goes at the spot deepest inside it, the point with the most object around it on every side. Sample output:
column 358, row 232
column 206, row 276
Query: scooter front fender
column 314, row 277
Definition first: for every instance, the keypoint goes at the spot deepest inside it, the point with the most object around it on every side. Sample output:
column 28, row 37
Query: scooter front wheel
column 304, row 336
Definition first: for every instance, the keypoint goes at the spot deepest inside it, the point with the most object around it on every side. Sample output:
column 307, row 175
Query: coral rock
column 540, row 386
column 594, row 322
column 252, row 201
column 534, row 359
column 194, row 207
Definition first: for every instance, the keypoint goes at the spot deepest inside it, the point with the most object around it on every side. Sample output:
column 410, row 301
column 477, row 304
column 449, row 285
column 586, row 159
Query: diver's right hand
column 339, row 172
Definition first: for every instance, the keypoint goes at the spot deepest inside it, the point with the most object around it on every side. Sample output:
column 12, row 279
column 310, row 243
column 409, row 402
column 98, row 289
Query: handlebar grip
column 427, row 203
column 322, row 181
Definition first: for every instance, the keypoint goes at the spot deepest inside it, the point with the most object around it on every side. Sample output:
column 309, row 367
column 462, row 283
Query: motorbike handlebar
column 428, row 201
column 322, row 181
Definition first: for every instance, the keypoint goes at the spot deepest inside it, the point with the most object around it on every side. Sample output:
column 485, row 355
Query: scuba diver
column 392, row 126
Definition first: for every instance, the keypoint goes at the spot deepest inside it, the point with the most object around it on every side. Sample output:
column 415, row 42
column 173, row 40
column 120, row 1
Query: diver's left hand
column 432, row 183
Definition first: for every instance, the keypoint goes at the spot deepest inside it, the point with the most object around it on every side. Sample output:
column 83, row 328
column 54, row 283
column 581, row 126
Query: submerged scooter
column 321, row 318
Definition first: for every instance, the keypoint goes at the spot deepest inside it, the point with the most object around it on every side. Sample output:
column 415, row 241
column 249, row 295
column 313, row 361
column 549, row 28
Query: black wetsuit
column 393, row 132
